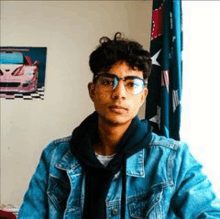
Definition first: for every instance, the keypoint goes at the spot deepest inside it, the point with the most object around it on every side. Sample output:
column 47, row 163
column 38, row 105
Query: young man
column 113, row 166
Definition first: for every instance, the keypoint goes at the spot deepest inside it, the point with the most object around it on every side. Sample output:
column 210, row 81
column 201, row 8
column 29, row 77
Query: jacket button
column 114, row 211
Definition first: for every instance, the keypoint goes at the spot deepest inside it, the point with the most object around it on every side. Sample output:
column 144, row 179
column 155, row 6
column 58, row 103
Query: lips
column 117, row 108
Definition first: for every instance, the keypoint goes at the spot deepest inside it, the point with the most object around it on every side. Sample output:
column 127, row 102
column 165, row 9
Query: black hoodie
column 98, row 177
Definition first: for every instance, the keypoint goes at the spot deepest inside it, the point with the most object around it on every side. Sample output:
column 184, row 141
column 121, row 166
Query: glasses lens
column 134, row 85
column 107, row 83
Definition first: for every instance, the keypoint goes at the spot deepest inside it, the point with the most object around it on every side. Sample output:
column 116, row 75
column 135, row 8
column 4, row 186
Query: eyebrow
column 114, row 75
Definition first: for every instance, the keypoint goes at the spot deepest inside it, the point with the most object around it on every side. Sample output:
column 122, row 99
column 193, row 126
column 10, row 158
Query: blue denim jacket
column 163, row 181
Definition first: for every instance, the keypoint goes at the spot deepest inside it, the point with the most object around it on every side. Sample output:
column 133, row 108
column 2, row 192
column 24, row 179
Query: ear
column 91, row 88
column 144, row 95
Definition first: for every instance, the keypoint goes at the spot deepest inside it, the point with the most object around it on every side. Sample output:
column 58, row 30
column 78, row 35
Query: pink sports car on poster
column 17, row 73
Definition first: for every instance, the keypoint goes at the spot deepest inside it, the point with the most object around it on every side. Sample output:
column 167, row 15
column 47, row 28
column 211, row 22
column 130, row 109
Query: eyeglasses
column 108, row 82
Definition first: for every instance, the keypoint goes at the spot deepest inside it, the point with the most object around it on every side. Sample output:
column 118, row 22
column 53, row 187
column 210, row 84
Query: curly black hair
column 109, row 52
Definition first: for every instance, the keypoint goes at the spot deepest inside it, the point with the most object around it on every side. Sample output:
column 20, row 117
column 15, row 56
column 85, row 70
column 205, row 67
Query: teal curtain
column 163, row 106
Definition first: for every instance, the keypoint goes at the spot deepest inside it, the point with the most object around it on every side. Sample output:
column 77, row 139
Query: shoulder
column 57, row 147
column 175, row 152
column 168, row 143
column 56, row 143
column 62, row 140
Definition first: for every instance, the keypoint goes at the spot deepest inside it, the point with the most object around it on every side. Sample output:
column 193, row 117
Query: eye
column 132, row 84
column 107, row 81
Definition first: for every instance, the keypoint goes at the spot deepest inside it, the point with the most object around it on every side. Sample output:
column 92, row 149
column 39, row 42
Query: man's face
column 117, row 107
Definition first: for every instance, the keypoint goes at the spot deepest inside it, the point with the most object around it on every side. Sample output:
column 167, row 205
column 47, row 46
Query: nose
column 119, row 92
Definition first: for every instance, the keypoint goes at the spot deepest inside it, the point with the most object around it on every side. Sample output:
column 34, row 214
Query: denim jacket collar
column 135, row 164
column 67, row 162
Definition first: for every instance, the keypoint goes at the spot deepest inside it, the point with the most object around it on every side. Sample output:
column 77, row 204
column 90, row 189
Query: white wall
column 201, row 78
column 71, row 31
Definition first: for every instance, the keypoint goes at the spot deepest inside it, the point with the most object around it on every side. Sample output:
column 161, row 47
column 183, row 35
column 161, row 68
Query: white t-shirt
column 104, row 159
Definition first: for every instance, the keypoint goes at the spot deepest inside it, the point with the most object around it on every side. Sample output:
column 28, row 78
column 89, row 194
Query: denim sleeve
column 35, row 202
column 193, row 197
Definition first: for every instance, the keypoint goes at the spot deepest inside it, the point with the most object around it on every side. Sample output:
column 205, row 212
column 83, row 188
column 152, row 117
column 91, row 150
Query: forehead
column 122, row 69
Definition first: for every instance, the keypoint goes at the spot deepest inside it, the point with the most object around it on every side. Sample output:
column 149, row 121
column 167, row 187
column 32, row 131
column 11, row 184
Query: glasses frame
column 112, row 75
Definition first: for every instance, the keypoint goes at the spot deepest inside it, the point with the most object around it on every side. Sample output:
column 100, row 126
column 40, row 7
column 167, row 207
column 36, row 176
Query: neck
column 110, row 135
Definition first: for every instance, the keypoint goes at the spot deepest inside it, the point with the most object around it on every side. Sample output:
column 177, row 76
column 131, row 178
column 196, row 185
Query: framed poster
column 22, row 72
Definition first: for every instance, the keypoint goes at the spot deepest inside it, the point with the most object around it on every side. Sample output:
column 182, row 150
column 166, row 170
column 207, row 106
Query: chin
column 116, row 119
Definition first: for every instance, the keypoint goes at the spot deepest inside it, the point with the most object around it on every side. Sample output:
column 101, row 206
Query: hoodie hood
column 85, row 136
column 98, row 177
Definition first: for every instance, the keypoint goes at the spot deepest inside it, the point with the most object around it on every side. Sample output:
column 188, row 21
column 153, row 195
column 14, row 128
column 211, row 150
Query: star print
column 154, row 58
column 156, row 118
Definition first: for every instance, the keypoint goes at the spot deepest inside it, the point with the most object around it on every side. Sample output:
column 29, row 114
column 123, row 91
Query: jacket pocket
column 58, row 193
column 147, row 206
